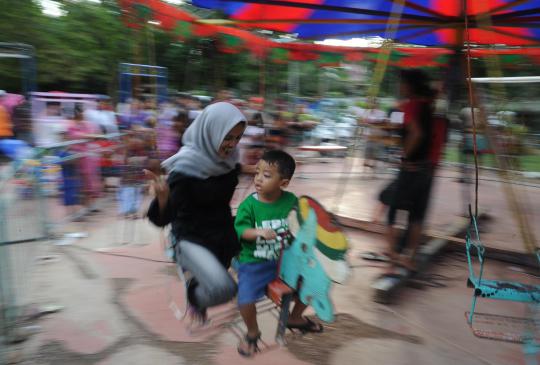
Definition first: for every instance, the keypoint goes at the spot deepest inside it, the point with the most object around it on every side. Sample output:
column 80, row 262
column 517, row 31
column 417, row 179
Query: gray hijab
column 198, row 156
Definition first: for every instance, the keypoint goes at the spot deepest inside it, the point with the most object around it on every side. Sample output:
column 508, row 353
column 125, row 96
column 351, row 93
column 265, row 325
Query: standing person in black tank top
column 415, row 177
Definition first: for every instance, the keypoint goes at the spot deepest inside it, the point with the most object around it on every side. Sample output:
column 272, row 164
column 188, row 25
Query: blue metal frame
column 26, row 53
column 128, row 70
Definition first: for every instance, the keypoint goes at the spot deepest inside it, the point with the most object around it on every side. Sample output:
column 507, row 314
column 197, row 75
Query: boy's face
column 267, row 179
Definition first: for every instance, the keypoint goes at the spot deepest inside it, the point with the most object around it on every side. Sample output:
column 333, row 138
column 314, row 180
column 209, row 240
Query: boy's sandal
column 252, row 345
column 307, row 326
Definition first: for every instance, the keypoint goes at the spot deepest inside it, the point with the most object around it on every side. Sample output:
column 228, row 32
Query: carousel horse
column 315, row 259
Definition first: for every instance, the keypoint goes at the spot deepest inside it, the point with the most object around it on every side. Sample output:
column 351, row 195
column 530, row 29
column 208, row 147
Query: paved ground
column 116, row 303
column 450, row 198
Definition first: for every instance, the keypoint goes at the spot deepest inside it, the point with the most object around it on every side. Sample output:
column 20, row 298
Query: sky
column 354, row 42
column 52, row 8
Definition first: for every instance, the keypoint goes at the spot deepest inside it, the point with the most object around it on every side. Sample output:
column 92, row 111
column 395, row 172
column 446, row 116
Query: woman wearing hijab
column 195, row 200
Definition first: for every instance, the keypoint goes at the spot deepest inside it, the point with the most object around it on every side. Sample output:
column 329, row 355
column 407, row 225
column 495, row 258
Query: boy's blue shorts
column 253, row 279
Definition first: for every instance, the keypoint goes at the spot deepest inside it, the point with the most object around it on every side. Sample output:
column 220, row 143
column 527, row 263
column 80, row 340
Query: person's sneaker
column 197, row 316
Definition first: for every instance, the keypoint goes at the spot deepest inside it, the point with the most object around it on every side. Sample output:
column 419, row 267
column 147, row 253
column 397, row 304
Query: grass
column 529, row 162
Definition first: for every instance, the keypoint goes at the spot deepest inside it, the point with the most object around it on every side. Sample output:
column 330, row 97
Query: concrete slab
column 387, row 351
column 89, row 322
column 142, row 355
column 386, row 287
column 449, row 198
column 116, row 307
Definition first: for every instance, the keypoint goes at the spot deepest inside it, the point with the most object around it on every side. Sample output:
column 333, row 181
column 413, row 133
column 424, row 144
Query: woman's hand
column 248, row 169
column 160, row 187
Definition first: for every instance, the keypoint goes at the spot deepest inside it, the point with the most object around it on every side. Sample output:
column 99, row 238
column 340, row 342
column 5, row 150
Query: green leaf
column 231, row 41
column 513, row 59
column 330, row 57
column 183, row 29
column 142, row 11
column 279, row 54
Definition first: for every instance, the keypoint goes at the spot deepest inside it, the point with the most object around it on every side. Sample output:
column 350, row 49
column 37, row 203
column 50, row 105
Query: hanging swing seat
column 505, row 290
column 504, row 328
column 499, row 327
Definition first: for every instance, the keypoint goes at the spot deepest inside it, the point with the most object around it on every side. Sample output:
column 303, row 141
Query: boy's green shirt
column 253, row 213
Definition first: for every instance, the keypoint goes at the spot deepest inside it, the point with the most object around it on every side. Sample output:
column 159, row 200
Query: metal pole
column 7, row 293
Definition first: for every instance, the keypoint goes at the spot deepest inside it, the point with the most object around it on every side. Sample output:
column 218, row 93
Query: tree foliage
column 80, row 50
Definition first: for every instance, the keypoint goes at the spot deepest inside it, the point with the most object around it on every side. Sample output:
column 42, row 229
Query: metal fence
column 28, row 221
column 23, row 230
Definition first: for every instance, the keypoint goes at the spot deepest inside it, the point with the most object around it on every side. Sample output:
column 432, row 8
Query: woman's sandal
column 374, row 256
column 307, row 326
column 199, row 317
column 252, row 345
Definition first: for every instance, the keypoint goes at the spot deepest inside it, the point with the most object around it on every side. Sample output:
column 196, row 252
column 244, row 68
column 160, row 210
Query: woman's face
column 231, row 140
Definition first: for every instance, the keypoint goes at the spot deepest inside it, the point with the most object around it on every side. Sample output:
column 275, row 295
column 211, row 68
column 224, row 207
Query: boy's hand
column 267, row 234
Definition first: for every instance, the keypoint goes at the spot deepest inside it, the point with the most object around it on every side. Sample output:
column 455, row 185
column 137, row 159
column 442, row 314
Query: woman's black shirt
column 199, row 211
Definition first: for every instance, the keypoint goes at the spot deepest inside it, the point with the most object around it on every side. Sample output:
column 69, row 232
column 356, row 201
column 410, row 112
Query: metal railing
column 22, row 232
column 26, row 226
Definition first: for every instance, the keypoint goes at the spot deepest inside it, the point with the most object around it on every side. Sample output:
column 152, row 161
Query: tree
column 22, row 22
column 87, row 44
column 78, row 51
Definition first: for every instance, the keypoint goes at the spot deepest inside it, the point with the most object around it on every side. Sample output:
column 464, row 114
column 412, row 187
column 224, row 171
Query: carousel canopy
column 423, row 22
column 231, row 39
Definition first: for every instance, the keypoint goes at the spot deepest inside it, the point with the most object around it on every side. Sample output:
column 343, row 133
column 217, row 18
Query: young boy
column 261, row 225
